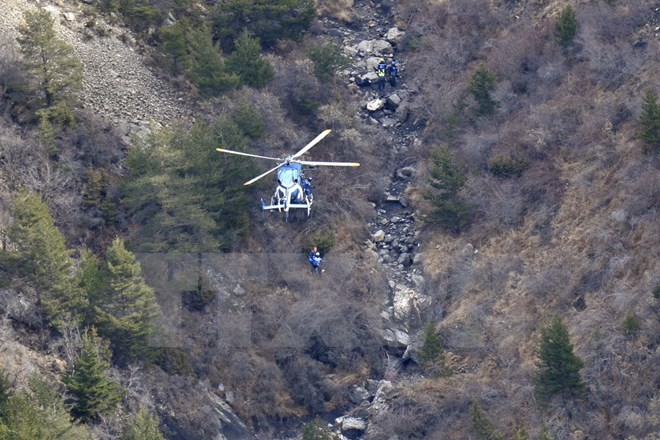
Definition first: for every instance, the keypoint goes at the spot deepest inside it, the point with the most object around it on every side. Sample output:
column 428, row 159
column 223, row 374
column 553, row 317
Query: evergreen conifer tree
column 481, row 84
column 126, row 308
column 207, row 68
column 39, row 413
column 650, row 121
column 446, row 181
column 90, row 281
column 268, row 20
column 482, row 425
column 56, row 74
column 40, row 256
column 5, row 386
column 185, row 195
column 142, row 426
column 94, row 393
column 432, row 354
column 566, row 27
column 327, row 59
column 315, row 430
column 559, row 367
column 246, row 62
column 520, row 434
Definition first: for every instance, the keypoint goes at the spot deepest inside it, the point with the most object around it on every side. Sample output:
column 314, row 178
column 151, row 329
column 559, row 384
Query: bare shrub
column 608, row 24
column 498, row 204
column 299, row 90
column 339, row 9
column 518, row 55
column 430, row 409
column 280, row 136
column 26, row 163
column 94, row 142
column 10, row 73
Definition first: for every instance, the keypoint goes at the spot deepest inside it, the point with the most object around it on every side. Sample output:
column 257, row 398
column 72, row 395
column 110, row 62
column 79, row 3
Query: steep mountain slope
column 573, row 235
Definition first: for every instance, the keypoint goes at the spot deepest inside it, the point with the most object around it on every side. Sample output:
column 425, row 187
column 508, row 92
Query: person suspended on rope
column 307, row 188
column 315, row 260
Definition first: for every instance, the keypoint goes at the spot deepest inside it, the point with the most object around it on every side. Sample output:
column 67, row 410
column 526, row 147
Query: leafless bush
column 279, row 133
column 10, row 73
column 426, row 409
column 300, row 92
column 340, row 9
column 519, row 54
column 93, row 143
column 608, row 24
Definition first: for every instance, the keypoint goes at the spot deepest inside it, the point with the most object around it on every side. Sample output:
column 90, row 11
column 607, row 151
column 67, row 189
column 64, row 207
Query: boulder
column 375, row 105
column 393, row 101
column 367, row 79
column 389, row 122
column 395, row 338
column 364, row 46
column 405, row 259
column 394, row 35
column 69, row 16
column 378, row 236
column 359, row 394
column 407, row 300
column 382, row 47
column 353, row 423
column 350, row 51
column 371, row 64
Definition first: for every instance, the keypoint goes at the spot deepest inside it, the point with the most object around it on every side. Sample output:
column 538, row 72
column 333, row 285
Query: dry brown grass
column 339, row 9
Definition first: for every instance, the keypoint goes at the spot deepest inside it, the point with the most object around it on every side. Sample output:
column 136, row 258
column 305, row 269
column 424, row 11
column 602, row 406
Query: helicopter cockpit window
column 287, row 176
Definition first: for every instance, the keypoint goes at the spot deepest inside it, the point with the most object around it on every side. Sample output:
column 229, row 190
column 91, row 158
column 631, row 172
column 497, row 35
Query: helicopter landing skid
column 281, row 207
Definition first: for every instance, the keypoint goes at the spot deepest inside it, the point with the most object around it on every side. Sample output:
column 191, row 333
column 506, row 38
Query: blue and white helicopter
column 293, row 191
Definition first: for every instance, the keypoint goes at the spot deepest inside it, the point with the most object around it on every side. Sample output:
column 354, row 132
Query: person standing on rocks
column 393, row 71
column 381, row 70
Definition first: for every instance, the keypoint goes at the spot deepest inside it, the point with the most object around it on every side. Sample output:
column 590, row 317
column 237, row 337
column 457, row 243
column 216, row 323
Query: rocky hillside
column 264, row 347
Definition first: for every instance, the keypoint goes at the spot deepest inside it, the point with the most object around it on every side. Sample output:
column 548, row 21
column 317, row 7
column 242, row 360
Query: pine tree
column 559, row 367
column 481, row 84
column 432, row 354
column 5, row 386
column 142, row 426
column 327, row 59
column 126, row 309
column 268, row 20
column 39, row 413
column 90, row 281
column 315, row 430
column 94, row 393
column 176, row 45
column 207, row 68
column 246, row 62
column 482, row 425
column 446, row 181
column 57, row 73
column 566, row 27
column 520, row 434
column 186, row 196
column 40, row 256
column 650, row 122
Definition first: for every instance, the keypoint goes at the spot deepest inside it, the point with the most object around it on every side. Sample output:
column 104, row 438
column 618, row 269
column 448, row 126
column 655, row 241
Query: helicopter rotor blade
column 249, row 182
column 328, row 164
column 240, row 153
column 316, row 140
